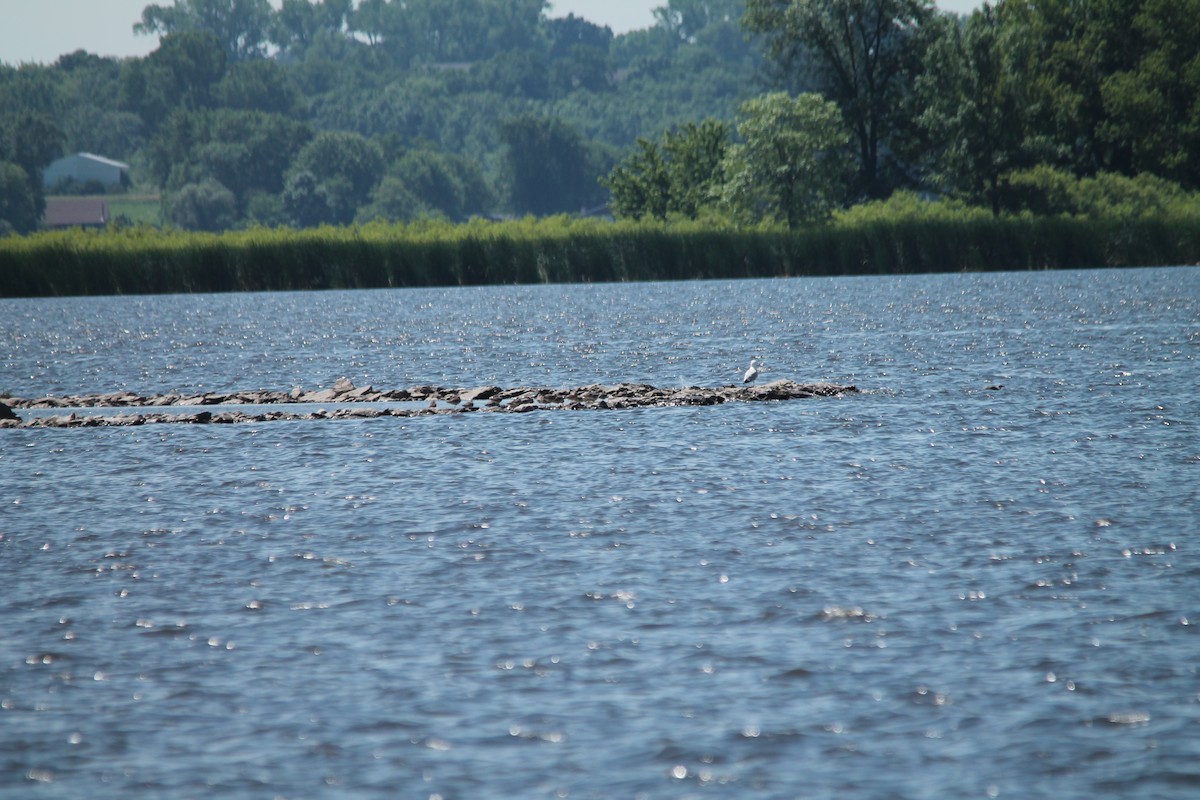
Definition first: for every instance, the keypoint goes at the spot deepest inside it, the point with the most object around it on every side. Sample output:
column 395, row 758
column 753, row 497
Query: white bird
column 751, row 373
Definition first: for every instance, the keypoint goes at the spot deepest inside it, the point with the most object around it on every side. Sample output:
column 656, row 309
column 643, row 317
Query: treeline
column 901, row 235
column 332, row 111
column 1015, row 107
column 729, row 112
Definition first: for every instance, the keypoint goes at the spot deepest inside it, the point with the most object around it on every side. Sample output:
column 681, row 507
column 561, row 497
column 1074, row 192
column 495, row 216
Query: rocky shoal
column 435, row 400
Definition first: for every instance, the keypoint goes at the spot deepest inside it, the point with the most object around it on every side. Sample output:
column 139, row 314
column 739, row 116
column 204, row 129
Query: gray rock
column 519, row 400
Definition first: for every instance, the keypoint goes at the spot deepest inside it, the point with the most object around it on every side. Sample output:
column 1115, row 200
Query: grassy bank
column 144, row 260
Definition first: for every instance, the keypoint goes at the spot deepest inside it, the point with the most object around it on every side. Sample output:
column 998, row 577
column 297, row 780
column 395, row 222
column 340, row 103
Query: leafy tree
column 375, row 21
column 90, row 129
column 30, row 140
column 246, row 151
column 685, row 19
column 203, row 206
column 429, row 183
column 393, row 200
column 695, row 155
column 549, row 167
column 1062, row 51
column 523, row 73
column 259, row 85
column 267, row 210
column 304, row 201
column 791, row 164
column 867, row 54
column 19, row 204
column 344, row 168
column 88, row 88
column 445, row 182
column 974, row 109
column 181, row 73
column 1153, row 105
column 679, row 176
column 240, row 26
column 1045, row 190
column 641, row 185
column 30, row 88
column 448, row 31
column 298, row 23
column 578, row 54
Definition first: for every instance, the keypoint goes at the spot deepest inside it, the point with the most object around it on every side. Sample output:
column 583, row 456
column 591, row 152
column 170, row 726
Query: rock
column 323, row 396
column 482, row 393
column 519, row 400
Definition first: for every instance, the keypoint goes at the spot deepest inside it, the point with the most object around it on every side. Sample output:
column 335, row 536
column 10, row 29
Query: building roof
column 76, row 211
column 102, row 160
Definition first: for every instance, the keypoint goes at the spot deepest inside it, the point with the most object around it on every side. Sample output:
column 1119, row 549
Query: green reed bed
column 144, row 260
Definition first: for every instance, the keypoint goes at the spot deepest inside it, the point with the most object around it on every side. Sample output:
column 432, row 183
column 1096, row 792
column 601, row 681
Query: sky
column 42, row 30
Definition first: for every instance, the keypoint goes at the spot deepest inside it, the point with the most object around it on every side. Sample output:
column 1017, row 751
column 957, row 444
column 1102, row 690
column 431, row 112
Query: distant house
column 76, row 212
column 84, row 168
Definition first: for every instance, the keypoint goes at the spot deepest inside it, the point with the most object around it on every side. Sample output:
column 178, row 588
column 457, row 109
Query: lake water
column 934, row 589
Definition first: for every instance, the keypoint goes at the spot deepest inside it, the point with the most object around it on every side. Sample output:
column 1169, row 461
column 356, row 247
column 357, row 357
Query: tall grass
column 144, row 260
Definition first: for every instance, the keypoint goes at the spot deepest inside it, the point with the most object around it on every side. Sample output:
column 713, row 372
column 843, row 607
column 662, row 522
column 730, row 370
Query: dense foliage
column 728, row 112
column 309, row 112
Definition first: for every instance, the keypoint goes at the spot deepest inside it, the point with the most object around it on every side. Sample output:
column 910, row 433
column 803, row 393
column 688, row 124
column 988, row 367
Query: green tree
column 89, row 88
column 791, row 164
column 679, row 176
column 203, row 206
column 29, row 141
column 426, row 182
column 685, row 19
column 695, row 154
column 549, row 167
column 641, row 184
column 1062, row 51
column 1045, row 190
column 298, row 23
column 30, row 88
column 19, row 206
column 1154, row 105
column 344, row 168
column 246, row 151
column 449, row 183
column 579, row 54
column 974, row 109
column 181, row 73
column 394, row 201
column 867, row 54
column 241, row 26
column 304, row 201
column 259, row 85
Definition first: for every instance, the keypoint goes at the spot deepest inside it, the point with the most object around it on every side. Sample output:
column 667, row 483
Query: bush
column 1048, row 191
column 204, row 206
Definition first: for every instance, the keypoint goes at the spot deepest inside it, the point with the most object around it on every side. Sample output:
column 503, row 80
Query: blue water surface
column 977, row 578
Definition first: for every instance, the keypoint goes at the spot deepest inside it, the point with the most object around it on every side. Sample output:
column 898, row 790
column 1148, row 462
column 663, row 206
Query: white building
column 84, row 167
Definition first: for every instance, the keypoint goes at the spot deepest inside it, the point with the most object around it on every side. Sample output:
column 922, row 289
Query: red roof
column 74, row 212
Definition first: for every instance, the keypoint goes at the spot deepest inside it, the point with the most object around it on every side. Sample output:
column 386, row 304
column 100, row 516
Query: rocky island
column 347, row 401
